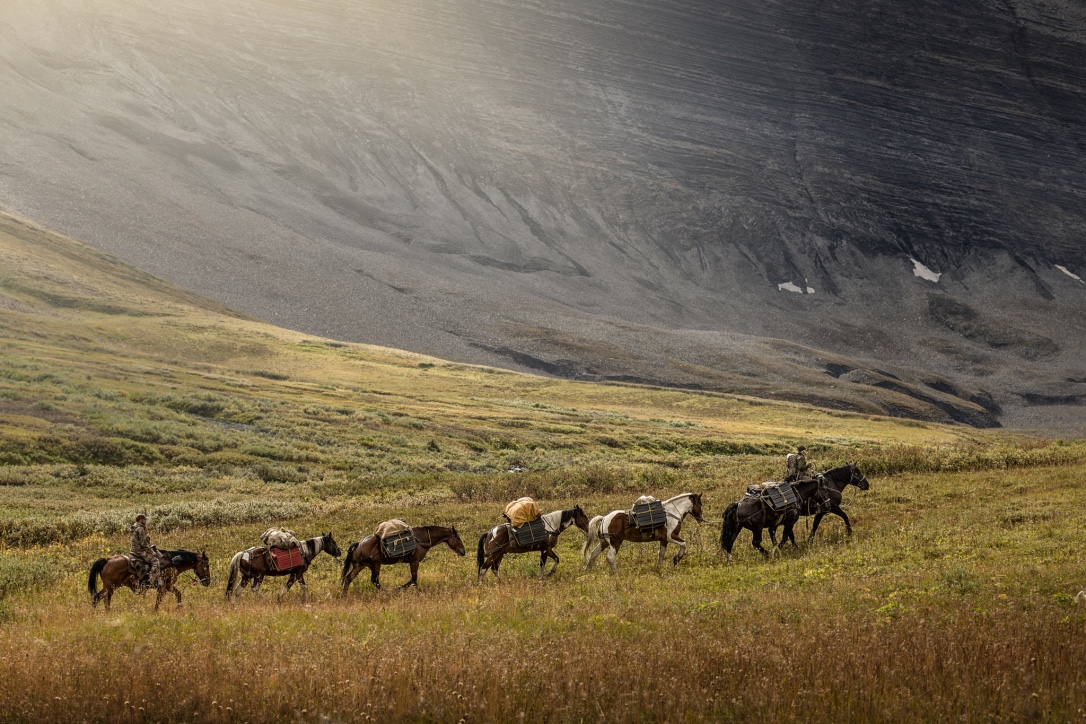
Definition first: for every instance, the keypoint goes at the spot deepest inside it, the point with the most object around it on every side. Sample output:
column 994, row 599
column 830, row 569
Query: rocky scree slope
column 876, row 206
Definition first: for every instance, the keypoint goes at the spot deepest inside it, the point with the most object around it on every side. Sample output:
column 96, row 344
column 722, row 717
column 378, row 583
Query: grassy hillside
column 119, row 393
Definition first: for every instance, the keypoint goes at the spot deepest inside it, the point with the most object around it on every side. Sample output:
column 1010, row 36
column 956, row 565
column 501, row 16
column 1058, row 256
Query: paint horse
column 251, row 566
column 117, row 571
column 369, row 553
column 817, row 496
column 499, row 541
column 607, row 532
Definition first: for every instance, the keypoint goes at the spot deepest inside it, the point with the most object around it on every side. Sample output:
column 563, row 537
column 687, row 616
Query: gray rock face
column 875, row 205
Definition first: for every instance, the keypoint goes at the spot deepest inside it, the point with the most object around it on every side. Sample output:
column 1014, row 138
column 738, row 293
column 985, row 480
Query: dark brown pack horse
column 499, row 541
column 607, row 532
column 818, row 496
column 117, row 571
column 251, row 566
column 369, row 553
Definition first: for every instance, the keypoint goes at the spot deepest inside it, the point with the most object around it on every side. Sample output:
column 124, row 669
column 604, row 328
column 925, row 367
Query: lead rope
column 846, row 506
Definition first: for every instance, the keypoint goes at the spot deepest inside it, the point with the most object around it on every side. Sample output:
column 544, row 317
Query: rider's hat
column 800, row 449
column 140, row 517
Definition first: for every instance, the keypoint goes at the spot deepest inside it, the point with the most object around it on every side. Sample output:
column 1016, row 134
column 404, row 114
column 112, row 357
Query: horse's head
column 330, row 545
column 695, row 507
column 857, row 478
column 455, row 543
column 580, row 519
column 203, row 569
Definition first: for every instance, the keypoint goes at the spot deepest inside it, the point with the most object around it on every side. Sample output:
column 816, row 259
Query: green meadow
column 121, row 394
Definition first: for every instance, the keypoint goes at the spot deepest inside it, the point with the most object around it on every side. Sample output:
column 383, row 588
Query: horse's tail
column 729, row 528
column 235, row 568
column 592, row 537
column 92, row 579
column 347, row 561
column 480, row 552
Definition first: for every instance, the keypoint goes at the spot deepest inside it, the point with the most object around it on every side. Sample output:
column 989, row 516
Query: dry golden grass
column 952, row 601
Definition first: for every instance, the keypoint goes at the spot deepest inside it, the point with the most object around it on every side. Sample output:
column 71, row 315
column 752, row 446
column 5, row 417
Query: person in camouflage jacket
column 142, row 549
column 795, row 465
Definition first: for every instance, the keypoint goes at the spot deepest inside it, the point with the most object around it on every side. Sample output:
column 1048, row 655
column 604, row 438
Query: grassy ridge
column 119, row 394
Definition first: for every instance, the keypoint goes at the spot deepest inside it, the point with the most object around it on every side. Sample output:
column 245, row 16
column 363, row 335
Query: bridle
column 194, row 579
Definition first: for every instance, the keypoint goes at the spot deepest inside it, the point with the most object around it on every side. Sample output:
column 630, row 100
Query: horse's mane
column 184, row 555
column 680, row 495
column 431, row 528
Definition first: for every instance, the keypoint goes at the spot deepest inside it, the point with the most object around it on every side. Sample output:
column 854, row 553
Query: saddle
column 530, row 533
column 780, row 496
column 648, row 515
column 141, row 569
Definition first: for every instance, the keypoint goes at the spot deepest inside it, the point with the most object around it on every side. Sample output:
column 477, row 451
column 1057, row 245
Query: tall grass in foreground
column 530, row 654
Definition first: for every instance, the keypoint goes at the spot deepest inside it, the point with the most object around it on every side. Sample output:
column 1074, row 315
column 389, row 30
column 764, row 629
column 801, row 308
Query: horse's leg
column 789, row 533
column 109, row 596
column 844, row 516
column 177, row 593
column 351, row 574
column 612, row 553
column 160, row 594
column 497, row 562
column 553, row 555
column 814, row 525
column 682, row 551
column 595, row 552
column 305, row 588
column 414, row 576
column 286, row 589
column 375, row 575
column 756, row 541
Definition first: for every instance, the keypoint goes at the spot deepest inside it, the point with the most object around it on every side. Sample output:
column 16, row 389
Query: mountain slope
column 737, row 196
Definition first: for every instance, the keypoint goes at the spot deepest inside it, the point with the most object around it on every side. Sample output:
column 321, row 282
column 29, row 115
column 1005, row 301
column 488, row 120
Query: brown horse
column 369, row 553
column 499, row 541
column 117, row 571
column 607, row 532
column 252, row 566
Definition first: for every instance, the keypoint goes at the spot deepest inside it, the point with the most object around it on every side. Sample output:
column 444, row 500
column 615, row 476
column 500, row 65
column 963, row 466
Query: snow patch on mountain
column 794, row 288
column 924, row 272
column 1070, row 273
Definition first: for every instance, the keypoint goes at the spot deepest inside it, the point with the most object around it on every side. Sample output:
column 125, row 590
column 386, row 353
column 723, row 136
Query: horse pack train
column 763, row 507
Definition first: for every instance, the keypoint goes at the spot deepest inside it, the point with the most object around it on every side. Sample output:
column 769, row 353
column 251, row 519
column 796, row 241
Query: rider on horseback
column 143, row 550
column 795, row 465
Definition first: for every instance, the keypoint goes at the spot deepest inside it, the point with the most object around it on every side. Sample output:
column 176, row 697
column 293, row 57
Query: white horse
column 606, row 532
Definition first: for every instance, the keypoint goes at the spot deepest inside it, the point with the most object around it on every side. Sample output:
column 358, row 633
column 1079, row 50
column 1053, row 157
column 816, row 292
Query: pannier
column 649, row 516
column 530, row 533
column 779, row 495
column 399, row 545
column 286, row 558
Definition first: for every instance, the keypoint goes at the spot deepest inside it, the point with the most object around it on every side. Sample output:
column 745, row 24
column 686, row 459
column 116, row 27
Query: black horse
column 817, row 496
